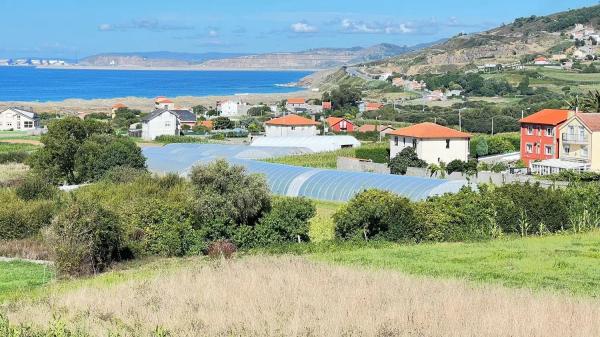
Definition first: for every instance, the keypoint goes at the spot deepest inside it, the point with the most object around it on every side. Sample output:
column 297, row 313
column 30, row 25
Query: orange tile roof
column 591, row 120
column 371, row 105
column 326, row 105
column 207, row 124
column 547, row 117
column 334, row 120
column 541, row 58
column 372, row 127
column 291, row 120
column 429, row 130
column 296, row 101
column 119, row 105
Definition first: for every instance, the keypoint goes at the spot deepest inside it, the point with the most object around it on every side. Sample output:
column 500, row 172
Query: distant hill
column 150, row 59
column 534, row 35
column 321, row 58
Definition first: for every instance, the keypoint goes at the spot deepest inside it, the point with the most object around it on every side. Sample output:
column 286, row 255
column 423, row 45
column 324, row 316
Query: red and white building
column 291, row 126
column 541, row 61
column 339, row 124
column 540, row 138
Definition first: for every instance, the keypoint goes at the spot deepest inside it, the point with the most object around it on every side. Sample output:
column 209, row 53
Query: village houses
column 18, row 119
column 433, row 143
column 291, row 126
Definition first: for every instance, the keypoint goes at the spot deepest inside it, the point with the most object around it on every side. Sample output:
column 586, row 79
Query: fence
column 361, row 165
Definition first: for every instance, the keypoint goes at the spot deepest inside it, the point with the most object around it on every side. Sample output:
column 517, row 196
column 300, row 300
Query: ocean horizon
column 42, row 85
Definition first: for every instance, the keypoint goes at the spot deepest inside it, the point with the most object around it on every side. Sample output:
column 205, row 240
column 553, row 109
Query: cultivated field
column 290, row 296
column 329, row 159
column 19, row 278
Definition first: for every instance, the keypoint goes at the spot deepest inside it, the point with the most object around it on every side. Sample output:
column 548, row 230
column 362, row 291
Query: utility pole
column 492, row 126
column 459, row 121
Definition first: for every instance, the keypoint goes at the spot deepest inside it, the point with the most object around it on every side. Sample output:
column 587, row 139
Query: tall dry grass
column 12, row 172
column 290, row 296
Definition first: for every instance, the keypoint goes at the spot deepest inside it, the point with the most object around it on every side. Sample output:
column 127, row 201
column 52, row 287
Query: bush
column 34, row 187
column 123, row 174
column 241, row 197
column 166, row 139
column 287, row 221
column 85, row 239
column 221, row 249
column 21, row 219
column 13, row 157
column 376, row 154
column 405, row 159
column 100, row 153
column 456, row 165
column 374, row 214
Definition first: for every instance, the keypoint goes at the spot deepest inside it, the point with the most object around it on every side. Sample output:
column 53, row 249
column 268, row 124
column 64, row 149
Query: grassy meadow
column 10, row 172
column 564, row 263
column 292, row 296
column 19, row 278
column 15, row 147
column 327, row 159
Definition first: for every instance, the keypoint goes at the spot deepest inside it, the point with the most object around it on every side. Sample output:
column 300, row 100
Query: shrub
column 123, row 174
column 242, row 197
column 13, row 157
column 374, row 214
column 166, row 139
column 221, row 249
column 34, row 187
column 85, row 239
column 100, row 153
column 405, row 159
column 456, row 165
column 287, row 221
column 376, row 154
column 21, row 219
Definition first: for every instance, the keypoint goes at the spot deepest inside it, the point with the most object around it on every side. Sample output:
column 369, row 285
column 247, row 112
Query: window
column 584, row 152
column 168, row 124
column 396, row 141
column 404, row 141
column 550, row 132
column 530, row 130
column 28, row 124
column 447, row 143
column 567, row 149
column 549, row 150
column 529, row 148
column 293, row 128
column 414, row 143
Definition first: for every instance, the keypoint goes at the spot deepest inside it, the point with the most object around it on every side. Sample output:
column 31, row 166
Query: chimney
column 572, row 112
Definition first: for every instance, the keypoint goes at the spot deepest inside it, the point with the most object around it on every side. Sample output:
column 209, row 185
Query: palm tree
column 573, row 102
column 433, row 169
column 592, row 101
column 443, row 170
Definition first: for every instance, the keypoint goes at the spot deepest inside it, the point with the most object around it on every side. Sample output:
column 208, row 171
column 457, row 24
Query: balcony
column 574, row 139
column 576, row 159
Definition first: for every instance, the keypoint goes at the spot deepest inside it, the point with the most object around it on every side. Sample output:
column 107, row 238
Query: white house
column 162, row 102
column 541, row 61
column 18, row 119
column 160, row 122
column 296, row 105
column 432, row 142
column 232, row 108
column 291, row 126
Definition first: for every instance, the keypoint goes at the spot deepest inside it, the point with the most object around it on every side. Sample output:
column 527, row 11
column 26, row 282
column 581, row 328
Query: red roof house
column 326, row 105
column 540, row 139
column 339, row 124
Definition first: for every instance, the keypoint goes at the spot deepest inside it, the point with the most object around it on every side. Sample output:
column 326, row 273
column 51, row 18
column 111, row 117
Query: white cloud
column 303, row 27
column 213, row 33
column 361, row 27
column 144, row 24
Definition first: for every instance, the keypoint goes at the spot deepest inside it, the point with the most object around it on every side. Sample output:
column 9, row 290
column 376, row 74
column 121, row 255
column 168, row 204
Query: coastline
column 190, row 68
column 145, row 104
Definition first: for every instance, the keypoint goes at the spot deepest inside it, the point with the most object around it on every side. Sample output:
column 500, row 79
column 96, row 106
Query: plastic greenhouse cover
column 324, row 184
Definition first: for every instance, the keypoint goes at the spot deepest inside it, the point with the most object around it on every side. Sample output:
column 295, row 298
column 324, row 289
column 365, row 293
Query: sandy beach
column 146, row 104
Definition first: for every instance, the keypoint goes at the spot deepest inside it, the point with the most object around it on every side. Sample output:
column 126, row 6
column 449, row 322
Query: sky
column 75, row 29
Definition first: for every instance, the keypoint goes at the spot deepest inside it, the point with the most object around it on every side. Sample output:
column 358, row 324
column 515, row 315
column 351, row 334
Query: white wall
column 10, row 119
column 290, row 131
column 165, row 124
column 232, row 109
column 433, row 150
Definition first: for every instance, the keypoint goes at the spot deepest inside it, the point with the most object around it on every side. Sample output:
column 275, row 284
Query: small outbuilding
column 291, row 126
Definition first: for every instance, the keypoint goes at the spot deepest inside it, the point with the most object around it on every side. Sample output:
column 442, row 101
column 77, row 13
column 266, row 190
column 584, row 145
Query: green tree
column 261, row 110
column 523, row 86
column 124, row 117
column 405, row 159
column 56, row 159
column 222, row 123
column 100, row 153
column 482, row 148
column 343, row 96
column 591, row 102
column 199, row 109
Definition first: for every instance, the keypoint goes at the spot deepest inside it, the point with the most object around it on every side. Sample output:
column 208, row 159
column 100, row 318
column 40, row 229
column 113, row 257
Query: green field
column 327, row 159
column 10, row 147
column 19, row 278
column 16, row 135
column 570, row 76
column 566, row 263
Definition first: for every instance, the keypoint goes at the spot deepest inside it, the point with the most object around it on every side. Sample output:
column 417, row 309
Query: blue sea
column 33, row 84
